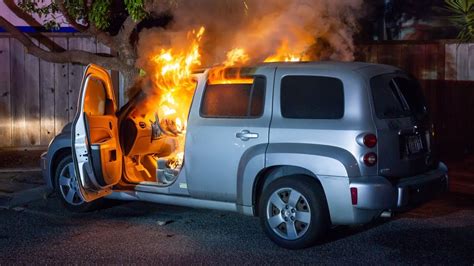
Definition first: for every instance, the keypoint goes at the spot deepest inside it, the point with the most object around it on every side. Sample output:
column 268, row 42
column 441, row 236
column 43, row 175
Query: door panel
column 219, row 139
column 97, row 154
column 104, row 149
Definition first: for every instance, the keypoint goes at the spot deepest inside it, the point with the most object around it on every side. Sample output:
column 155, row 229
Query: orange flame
column 172, row 89
column 225, row 75
column 237, row 56
column 174, row 84
column 285, row 54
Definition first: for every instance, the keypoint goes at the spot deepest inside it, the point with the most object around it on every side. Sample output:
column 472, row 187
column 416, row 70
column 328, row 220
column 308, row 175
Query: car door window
column 234, row 100
column 312, row 97
column 95, row 98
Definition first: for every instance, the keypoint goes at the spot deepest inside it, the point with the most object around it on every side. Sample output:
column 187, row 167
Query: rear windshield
column 397, row 96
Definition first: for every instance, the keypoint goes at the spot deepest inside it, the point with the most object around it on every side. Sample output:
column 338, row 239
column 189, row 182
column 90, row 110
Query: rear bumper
column 378, row 193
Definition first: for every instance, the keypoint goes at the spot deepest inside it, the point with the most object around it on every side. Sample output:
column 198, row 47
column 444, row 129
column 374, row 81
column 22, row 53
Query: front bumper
column 378, row 193
column 43, row 161
column 45, row 170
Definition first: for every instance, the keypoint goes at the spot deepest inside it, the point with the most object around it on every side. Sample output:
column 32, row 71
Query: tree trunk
column 127, row 88
column 129, row 77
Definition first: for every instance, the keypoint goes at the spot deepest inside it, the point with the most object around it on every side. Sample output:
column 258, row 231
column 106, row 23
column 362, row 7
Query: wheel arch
column 58, row 155
column 270, row 174
column 330, row 166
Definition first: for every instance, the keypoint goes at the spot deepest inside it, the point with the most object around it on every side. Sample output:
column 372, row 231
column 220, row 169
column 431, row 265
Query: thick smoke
column 316, row 29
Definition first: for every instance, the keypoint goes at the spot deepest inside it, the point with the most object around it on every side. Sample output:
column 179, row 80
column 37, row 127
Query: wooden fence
column 38, row 98
column 450, row 104
column 446, row 72
column 443, row 60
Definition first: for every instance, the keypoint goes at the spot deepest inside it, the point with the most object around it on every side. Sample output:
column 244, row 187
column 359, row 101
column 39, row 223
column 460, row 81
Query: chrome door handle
column 246, row 135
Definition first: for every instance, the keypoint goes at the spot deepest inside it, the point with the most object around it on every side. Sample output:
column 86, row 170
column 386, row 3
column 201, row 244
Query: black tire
column 311, row 200
column 79, row 205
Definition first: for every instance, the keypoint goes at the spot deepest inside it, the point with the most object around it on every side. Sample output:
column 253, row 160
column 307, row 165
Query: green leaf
column 99, row 14
column 462, row 16
column 135, row 9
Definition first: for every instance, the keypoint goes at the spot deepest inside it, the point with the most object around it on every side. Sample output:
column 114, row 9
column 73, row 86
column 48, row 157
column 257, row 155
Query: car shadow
column 446, row 204
column 453, row 244
column 344, row 231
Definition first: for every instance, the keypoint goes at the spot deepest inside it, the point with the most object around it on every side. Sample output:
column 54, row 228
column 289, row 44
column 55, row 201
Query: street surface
column 440, row 232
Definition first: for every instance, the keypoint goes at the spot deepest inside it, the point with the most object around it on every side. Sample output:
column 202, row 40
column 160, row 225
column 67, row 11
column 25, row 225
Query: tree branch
column 76, row 56
column 101, row 36
column 70, row 20
column 127, row 28
column 123, row 38
column 47, row 42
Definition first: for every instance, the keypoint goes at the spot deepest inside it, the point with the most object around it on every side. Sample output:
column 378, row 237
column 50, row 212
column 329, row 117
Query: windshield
column 397, row 96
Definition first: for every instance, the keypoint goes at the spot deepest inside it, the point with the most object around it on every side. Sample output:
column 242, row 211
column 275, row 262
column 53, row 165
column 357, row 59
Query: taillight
column 370, row 159
column 354, row 195
column 370, row 140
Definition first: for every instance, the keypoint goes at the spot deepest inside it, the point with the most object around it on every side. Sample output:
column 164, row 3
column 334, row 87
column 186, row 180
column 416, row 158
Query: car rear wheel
column 67, row 187
column 293, row 212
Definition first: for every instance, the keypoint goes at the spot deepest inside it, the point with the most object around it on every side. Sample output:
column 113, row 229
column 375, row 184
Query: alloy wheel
column 288, row 213
column 69, row 186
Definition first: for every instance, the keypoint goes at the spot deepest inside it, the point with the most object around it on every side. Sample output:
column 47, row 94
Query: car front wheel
column 293, row 212
column 67, row 187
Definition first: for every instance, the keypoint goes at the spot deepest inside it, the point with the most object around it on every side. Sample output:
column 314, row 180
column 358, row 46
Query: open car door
column 96, row 152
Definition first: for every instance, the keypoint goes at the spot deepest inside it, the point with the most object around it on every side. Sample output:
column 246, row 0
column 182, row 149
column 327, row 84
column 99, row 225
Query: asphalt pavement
column 440, row 232
column 18, row 187
column 41, row 231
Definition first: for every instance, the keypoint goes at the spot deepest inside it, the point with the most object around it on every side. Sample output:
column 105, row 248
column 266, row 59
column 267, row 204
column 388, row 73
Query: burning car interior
column 153, row 146
column 153, row 132
column 142, row 142
column 152, row 128
column 152, row 125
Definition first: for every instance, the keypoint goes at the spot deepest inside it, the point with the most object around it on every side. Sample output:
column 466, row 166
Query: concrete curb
column 19, row 170
column 26, row 196
column 28, row 148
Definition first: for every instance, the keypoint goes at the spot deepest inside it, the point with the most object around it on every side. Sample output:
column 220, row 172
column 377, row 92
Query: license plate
column 414, row 144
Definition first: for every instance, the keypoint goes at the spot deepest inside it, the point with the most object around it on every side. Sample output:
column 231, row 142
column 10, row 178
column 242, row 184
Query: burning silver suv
column 304, row 146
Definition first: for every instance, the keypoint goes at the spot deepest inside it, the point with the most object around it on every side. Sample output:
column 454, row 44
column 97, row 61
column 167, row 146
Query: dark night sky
column 405, row 19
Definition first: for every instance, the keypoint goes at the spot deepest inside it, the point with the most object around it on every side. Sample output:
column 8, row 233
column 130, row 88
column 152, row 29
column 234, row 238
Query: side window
column 240, row 100
column 312, row 97
column 95, row 98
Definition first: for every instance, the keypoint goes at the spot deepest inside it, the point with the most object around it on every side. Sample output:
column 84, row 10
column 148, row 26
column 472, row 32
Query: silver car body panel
column 327, row 148
column 214, row 154
column 179, row 201
column 62, row 141
column 221, row 171
column 376, row 192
